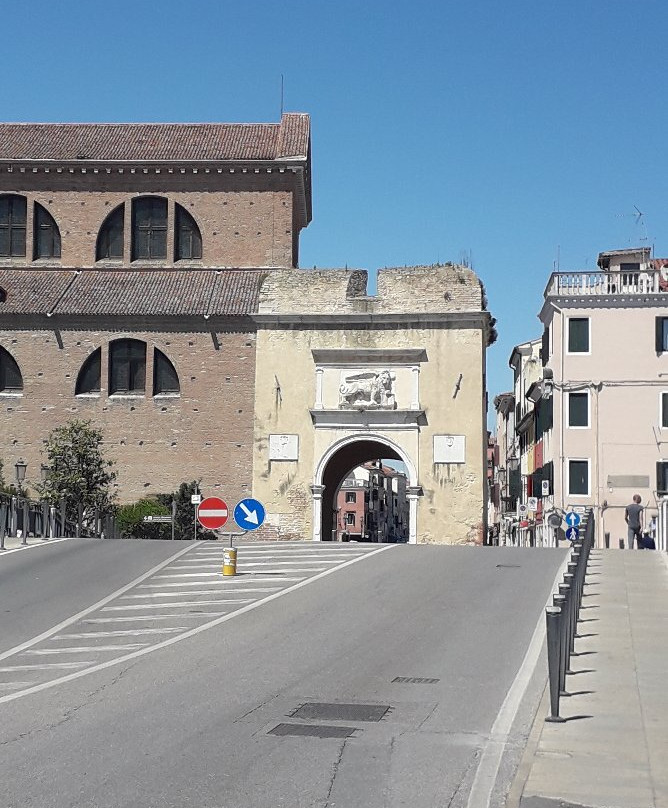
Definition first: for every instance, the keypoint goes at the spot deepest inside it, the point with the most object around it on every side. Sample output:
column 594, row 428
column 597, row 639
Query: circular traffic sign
column 572, row 519
column 249, row 514
column 572, row 534
column 212, row 513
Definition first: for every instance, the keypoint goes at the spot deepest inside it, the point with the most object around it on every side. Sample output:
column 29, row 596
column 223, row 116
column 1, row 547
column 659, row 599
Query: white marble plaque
column 449, row 448
column 284, row 447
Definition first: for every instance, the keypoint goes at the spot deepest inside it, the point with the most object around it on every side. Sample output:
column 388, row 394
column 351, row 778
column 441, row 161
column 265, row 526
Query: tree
column 130, row 520
column 184, row 523
column 79, row 473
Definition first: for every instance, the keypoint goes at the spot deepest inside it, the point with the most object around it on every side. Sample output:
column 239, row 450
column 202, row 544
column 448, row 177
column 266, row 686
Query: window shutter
column 658, row 331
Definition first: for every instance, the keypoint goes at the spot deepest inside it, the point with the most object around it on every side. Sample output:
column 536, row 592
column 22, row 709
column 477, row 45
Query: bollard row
column 563, row 615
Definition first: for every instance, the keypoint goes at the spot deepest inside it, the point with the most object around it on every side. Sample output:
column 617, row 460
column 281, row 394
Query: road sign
column 212, row 513
column 554, row 520
column 545, row 488
column 572, row 519
column 522, row 509
column 195, row 499
column 572, row 534
column 532, row 504
column 154, row 518
column 249, row 514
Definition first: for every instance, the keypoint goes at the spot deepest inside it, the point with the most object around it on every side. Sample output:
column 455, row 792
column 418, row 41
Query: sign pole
column 173, row 516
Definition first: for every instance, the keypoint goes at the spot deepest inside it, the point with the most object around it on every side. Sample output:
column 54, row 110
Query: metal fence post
column 3, row 523
column 26, row 522
column 553, row 621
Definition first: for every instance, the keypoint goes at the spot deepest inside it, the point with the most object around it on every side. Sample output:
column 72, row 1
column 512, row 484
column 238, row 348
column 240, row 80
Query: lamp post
column 20, row 467
column 44, row 471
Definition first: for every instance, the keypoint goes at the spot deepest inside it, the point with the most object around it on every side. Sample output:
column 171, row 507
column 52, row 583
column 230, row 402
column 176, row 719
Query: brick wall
column 157, row 442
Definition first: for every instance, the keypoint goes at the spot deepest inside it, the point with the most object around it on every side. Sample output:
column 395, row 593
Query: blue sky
column 508, row 132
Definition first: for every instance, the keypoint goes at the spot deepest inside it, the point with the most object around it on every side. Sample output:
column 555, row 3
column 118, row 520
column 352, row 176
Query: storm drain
column 414, row 680
column 312, row 730
column 340, row 712
column 509, row 566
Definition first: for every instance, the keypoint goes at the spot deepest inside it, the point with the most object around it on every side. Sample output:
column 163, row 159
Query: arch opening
column 364, row 488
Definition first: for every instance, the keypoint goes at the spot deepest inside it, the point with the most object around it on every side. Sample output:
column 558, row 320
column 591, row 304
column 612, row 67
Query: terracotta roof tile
column 141, row 292
column 156, row 141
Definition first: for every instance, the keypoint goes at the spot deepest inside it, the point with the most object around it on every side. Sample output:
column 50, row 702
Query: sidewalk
column 12, row 543
column 613, row 750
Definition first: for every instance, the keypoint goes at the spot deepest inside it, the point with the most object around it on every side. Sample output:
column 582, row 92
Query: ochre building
column 149, row 282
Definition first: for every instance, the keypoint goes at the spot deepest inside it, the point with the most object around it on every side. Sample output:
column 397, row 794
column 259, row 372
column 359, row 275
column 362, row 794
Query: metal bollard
column 230, row 561
column 568, row 578
column 560, row 602
column 553, row 621
column 565, row 590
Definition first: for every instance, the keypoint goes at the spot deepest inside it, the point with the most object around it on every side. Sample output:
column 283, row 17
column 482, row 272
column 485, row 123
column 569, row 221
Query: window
column 578, row 409
column 149, row 228
column 661, row 326
column 187, row 238
column 664, row 410
column 165, row 378
column 127, row 366
column 12, row 226
column 110, row 238
column 545, row 346
column 350, row 518
column 11, row 380
column 662, row 478
column 88, row 380
column 351, row 496
column 578, row 477
column 46, row 236
column 578, row 335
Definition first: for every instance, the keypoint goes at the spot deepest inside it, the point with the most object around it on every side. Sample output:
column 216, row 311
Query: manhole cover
column 312, row 730
column 414, row 680
column 341, row 712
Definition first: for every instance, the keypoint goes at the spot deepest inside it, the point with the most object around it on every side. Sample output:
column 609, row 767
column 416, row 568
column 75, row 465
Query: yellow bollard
column 230, row 561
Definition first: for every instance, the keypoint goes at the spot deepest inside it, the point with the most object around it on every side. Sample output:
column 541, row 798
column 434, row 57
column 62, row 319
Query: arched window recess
column 165, row 377
column 89, row 378
column 109, row 244
column 11, row 380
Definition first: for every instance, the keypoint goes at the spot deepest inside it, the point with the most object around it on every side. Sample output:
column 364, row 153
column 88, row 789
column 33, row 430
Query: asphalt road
column 211, row 672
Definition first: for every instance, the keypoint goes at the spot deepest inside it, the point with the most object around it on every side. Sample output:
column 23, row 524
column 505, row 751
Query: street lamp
column 20, row 467
column 44, row 471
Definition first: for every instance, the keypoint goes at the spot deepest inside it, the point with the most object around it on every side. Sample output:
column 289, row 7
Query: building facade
column 149, row 283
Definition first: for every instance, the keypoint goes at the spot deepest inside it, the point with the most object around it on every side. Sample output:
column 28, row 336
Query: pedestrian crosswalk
column 185, row 596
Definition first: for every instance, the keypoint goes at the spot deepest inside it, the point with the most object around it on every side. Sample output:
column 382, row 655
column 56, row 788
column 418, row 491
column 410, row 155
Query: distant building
column 372, row 505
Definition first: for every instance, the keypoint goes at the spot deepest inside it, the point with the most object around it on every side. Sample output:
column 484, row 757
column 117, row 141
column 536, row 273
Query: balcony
column 606, row 284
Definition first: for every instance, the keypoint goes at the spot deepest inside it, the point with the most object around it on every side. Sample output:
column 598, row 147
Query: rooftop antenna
column 281, row 95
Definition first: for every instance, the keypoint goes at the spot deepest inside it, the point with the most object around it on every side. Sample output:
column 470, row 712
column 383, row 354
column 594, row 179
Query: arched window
column 165, row 377
column 88, row 380
column 187, row 237
column 11, row 380
column 149, row 228
column 12, row 226
column 46, row 236
column 127, row 366
column 110, row 238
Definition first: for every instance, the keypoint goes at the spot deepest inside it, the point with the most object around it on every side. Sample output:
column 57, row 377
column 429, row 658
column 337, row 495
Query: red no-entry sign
column 212, row 513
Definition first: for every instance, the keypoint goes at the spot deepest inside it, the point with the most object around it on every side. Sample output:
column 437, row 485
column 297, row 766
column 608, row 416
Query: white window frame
column 661, row 395
column 586, row 460
column 568, row 408
column 568, row 333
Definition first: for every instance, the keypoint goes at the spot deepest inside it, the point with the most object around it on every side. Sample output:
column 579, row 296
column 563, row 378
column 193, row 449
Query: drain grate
column 509, row 566
column 414, row 680
column 312, row 730
column 341, row 712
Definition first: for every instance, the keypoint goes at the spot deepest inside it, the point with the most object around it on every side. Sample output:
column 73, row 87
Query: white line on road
column 127, row 632
column 84, row 649
column 239, row 579
column 192, row 633
column 44, row 666
column 45, row 543
column 492, row 753
column 139, row 618
column 218, row 574
column 178, row 605
column 227, row 591
column 70, row 620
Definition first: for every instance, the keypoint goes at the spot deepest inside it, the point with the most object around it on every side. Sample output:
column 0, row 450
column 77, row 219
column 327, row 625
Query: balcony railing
column 602, row 284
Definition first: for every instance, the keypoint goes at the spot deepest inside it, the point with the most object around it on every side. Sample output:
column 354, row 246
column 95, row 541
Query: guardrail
column 25, row 518
column 562, row 617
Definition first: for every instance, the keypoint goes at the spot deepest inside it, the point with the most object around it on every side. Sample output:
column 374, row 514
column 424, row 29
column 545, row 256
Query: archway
column 339, row 461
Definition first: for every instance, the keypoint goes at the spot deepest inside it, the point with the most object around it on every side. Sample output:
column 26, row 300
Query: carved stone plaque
column 367, row 390
column 284, row 447
column 449, row 448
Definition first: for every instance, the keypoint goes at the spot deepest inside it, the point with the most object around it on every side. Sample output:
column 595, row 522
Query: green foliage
column 79, row 473
column 184, row 524
column 131, row 525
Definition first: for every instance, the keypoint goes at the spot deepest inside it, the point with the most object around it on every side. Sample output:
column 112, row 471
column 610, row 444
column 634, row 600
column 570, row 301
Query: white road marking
column 44, row 666
column 178, row 605
column 45, row 543
column 84, row 649
column 139, row 618
column 192, row 633
column 86, row 635
column 218, row 574
column 228, row 591
column 239, row 579
column 492, row 753
column 75, row 618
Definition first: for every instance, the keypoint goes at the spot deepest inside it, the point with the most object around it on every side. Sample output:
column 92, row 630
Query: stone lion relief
column 368, row 390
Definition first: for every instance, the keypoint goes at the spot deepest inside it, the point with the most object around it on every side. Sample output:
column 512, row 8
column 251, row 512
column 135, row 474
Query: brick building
column 130, row 262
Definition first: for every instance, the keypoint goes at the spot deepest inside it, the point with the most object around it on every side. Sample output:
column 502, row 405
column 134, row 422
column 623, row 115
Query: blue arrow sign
column 572, row 519
column 572, row 534
column 249, row 514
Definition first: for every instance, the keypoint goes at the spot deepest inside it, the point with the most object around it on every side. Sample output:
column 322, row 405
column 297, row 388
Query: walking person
column 633, row 516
